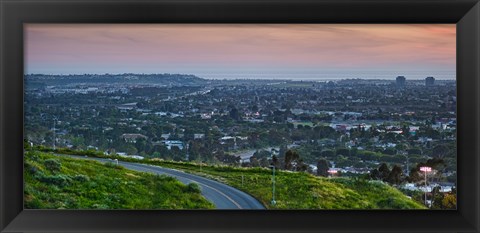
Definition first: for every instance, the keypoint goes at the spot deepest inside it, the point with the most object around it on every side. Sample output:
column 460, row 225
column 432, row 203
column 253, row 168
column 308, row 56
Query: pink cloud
column 322, row 46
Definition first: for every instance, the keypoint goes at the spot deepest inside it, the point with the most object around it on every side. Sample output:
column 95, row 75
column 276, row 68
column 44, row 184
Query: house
column 341, row 128
column 133, row 137
column 173, row 143
column 165, row 136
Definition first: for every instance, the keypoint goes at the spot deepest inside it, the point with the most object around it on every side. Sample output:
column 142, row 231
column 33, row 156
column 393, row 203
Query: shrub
column 32, row 155
column 34, row 203
column 91, row 184
column 58, row 180
column 81, row 178
column 100, row 206
column 112, row 165
column 193, row 188
column 52, row 164
column 32, row 168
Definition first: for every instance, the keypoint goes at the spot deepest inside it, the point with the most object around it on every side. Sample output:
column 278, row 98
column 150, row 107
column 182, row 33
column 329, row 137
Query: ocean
column 330, row 75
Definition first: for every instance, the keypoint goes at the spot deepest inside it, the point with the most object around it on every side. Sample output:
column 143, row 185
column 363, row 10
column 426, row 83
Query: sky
column 243, row 50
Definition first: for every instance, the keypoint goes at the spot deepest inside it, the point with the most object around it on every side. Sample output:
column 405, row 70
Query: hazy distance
column 230, row 51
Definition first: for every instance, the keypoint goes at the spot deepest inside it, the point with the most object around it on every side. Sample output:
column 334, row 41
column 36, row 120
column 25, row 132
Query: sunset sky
column 213, row 50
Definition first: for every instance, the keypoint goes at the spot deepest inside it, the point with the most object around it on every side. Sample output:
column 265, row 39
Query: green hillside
column 298, row 190
column 56, row 182
column 294, row 190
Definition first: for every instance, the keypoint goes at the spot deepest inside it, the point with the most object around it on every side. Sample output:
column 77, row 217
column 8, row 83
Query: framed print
column 239, row 116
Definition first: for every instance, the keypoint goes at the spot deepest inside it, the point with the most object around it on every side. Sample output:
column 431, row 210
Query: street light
column 407, row 162
column 273, row 202
column 425, row 170
column 187, row 156
column 54, row 134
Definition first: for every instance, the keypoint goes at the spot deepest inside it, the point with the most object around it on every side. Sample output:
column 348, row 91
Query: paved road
column 221, row 195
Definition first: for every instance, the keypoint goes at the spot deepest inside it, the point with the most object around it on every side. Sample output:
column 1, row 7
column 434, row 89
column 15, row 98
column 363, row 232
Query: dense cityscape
column 379, row 129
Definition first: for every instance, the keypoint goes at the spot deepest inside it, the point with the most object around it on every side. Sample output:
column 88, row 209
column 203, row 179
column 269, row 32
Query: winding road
column 221, row 195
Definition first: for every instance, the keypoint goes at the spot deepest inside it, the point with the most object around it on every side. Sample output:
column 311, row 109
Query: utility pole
column 54, row 136
column 54, row 133
column 408, row 164
column 187, row 156
column 426, row 188
column 425, row 170
column 273, row 202
column 404, row 153
column 407, row 161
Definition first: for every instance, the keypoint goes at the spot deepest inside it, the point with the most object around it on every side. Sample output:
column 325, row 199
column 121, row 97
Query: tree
column 449, row 201
column 264, row 162
column 129, row 149
column 440, row 151
column 390, row 151
column 414, row 151
column 291, row 160
column 234, row 114
column 322, row 167
column 226, row 158
column 78, row 142
column 414, row 175
column 343, row 151
column 260, row 154
column 396, row 175
column 141, row 144
column 275, row 161
column 384, row 171
column 437, row 198
column 375, row 174
column 178, row 155
column 301, row 166
column 327, row 153
column 254, row 162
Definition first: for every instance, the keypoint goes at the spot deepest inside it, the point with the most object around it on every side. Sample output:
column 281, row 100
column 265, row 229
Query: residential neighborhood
column 353, row 124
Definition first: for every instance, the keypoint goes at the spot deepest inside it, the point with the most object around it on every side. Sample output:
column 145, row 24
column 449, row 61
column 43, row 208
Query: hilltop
column 294, row 190
column 36, row 80
column 301, row 190
column 56, row 182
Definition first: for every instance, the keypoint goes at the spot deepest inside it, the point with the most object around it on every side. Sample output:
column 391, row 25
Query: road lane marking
column 150, row 169
column 223, row 194
column 208, row 186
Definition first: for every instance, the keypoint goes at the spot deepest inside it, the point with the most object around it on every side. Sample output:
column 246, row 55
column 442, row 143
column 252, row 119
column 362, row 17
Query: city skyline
column 297, row 51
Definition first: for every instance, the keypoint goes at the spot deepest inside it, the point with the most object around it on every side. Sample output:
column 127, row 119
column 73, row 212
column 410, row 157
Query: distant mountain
column 153, row 79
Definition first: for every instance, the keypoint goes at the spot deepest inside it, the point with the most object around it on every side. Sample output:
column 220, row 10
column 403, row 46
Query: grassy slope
column 295, row 190
column 81, row 184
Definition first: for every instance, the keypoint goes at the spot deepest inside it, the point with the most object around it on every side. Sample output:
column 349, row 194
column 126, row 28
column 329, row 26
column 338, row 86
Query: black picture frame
column 464, row 13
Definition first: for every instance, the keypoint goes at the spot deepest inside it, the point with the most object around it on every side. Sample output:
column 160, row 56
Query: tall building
column 400, row 82
column 429, row 81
